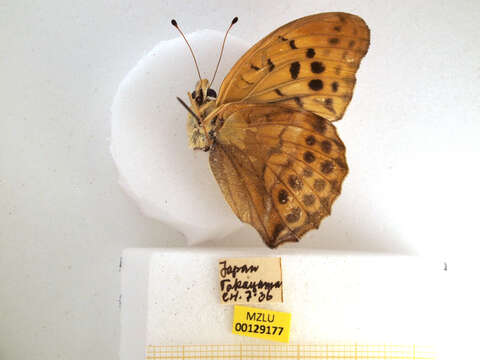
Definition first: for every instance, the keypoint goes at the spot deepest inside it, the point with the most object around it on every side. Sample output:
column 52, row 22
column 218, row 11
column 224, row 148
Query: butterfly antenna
column 235, row 19
column 189, row 110
column 174, row 23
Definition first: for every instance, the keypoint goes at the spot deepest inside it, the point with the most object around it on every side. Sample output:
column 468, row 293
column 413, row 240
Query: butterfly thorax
column 201, row 130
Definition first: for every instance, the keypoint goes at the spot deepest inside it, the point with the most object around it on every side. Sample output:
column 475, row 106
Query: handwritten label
column 261, row 323
column 250, row 280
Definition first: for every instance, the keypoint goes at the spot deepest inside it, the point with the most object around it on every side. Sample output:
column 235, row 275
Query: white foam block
column 333, row 298
column 149, row 144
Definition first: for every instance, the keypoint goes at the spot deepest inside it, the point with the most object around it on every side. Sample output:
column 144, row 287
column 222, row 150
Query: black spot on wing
column 319, row 185
column 307, row 172
column 317, row 67
column 295, row 182
column 310, row 140
column 294, row 216
column 294, row 69
column 271, row 65
column 308, row 157
column 326, row 167
column 328, row 104
column 308, row 199
column 283, row 196
column 326, row 146
column 315, row 84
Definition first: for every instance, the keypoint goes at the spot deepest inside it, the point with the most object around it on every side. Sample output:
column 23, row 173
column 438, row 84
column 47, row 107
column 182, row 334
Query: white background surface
column 149, row 146
column 337, row 299
column 64, row 219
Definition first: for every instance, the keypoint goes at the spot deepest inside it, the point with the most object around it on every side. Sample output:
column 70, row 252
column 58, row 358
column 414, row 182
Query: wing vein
column 273, row 202
column 287, row 125
column 339, row 61
column 307, row 165
column 302, row 146
column 286, row 83
column 275, row 206
column 260, row 49
column 284, row 34
column 291, row 192
column 247, row 189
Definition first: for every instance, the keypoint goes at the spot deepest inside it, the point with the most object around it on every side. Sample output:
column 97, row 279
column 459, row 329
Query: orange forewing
column 308, row 64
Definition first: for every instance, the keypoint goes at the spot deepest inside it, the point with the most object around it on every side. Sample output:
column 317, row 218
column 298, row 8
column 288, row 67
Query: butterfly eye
column 211, row 93
column 194, row 94
column 199, row 98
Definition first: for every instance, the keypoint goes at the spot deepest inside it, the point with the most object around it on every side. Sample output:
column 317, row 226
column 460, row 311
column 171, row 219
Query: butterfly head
column 202, row 94
column 202, row 128
column 202, row 103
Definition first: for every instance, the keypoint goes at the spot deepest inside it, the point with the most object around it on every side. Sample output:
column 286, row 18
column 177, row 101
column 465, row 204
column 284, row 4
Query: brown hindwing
column 279, row 168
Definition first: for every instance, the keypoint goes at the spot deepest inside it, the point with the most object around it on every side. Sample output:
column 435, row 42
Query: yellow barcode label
column 261, row 323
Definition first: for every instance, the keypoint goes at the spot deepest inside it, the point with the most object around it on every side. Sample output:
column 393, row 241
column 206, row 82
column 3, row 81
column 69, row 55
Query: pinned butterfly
column 274, row 151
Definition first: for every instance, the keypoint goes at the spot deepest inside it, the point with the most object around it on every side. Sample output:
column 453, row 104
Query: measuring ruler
column 290, row 352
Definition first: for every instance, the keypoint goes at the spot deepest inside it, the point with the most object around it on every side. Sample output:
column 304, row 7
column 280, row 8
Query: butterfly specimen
column 274, row 151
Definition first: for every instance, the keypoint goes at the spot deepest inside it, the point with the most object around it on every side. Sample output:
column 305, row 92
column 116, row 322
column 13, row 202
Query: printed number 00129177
column 259, row 329
column 261, row 323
